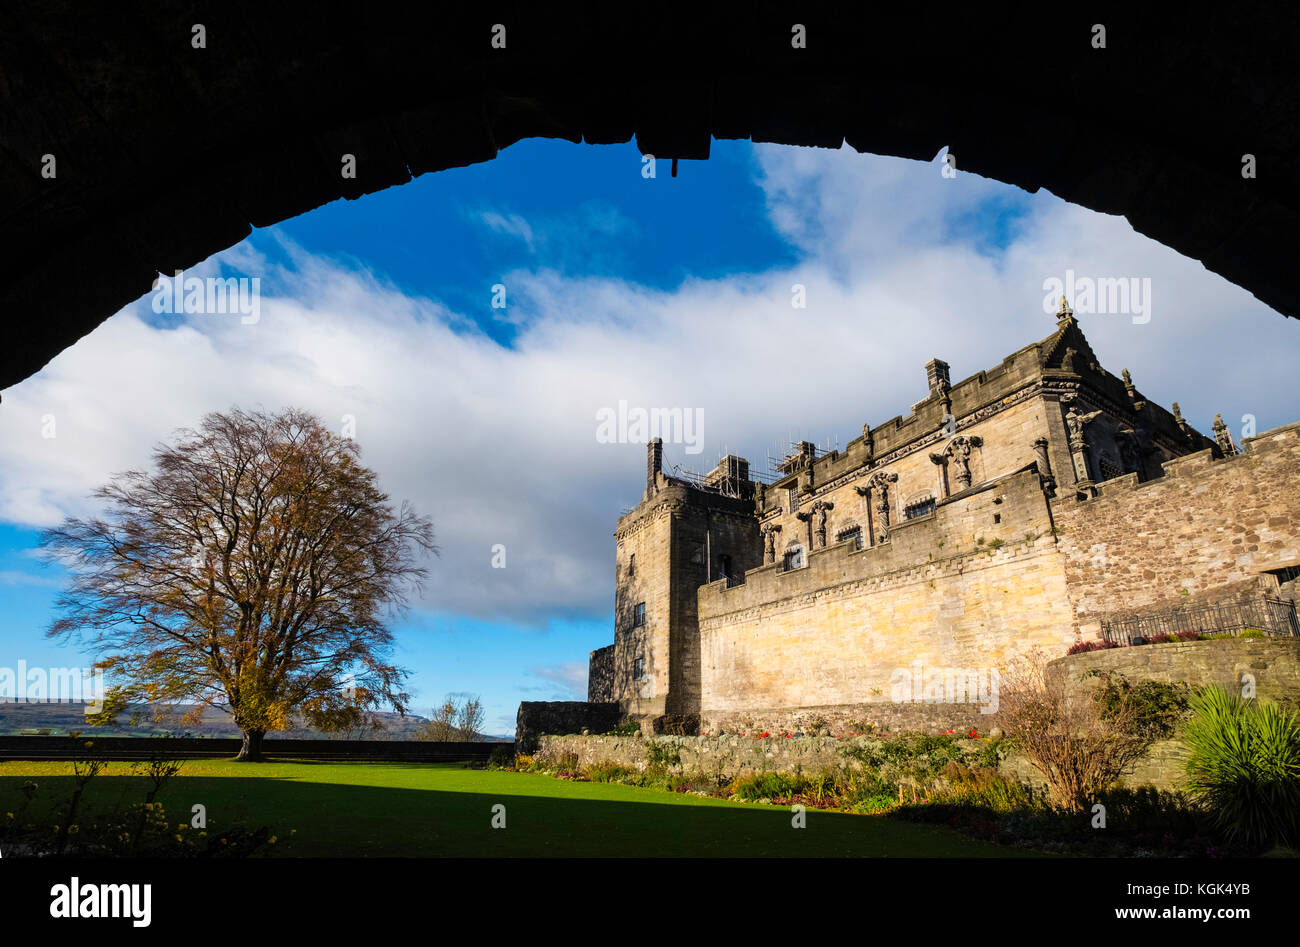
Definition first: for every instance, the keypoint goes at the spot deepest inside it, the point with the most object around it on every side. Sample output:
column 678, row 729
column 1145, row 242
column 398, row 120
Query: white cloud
column 568, row 681
column 510, row 224
column 498, row 444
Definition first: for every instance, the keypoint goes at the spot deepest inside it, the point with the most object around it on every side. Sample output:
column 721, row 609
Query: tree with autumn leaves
column 252, row 569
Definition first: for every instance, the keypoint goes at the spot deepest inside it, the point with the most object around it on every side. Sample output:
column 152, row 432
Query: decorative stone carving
column 1128, row 385
column 1178, row 419
column 819, row 510
column 1075, row 423
column 1045, row 466
column 877, row 487
column 1064, row 313
column 956, row 458
column 1223, row 437
column 869, row 442
column 769, row 531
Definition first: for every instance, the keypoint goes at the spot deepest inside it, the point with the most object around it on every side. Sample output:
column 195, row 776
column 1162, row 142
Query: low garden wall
column 846, row 720
column 1273, row 663
column 731, row 756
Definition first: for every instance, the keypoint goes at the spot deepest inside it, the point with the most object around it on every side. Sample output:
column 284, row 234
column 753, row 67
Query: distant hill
column 61, row 717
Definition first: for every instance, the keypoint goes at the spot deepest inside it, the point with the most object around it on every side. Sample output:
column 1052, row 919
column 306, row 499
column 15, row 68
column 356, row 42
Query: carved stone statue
column 877, row 487
column 1223, row 437
column 819, row 510
column 769, row 536
column 1076, row 422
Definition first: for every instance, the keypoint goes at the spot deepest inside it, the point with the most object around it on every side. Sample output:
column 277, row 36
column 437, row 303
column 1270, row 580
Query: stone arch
column 426, row 91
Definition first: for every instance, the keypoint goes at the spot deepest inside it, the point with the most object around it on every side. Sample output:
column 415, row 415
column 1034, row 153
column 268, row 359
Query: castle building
column 1030, row 506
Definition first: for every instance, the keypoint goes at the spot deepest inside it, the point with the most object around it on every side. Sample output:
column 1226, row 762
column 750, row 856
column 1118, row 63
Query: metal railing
column 1272, row 616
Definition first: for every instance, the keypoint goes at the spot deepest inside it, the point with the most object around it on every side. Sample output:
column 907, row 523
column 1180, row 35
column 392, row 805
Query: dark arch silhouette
column 166, row 154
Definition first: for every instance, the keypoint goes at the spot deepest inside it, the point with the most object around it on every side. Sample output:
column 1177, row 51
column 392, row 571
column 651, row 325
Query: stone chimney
column 936, row 375
column 654, row 463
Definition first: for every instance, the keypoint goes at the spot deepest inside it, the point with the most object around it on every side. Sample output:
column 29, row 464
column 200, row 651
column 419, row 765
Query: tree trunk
column 251, row 750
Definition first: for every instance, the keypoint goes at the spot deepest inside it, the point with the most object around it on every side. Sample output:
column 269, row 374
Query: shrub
column 609, row 773
column 1084, row 647
column 1079, row 745
column 769, row 786
column 628, row 729
column 1244, row 766
column 1253, row 633
column 502, row 757
column 981, row 786
column 1156, row 707
column 661, row 754
column 567, row 762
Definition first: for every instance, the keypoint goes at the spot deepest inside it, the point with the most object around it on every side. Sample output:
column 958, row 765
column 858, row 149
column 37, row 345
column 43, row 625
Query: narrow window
column 638, row 668
column 631, row 565
column 638, row 615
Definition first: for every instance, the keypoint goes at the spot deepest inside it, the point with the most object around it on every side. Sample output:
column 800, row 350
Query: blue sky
column 661, row 292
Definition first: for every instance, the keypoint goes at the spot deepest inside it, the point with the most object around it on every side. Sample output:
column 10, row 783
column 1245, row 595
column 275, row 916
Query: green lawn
column 424, row 810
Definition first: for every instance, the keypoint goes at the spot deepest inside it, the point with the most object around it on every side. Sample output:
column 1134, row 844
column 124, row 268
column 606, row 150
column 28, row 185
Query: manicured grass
column 424, row 810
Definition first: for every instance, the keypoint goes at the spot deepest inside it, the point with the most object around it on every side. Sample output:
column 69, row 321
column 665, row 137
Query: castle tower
column 681, row 536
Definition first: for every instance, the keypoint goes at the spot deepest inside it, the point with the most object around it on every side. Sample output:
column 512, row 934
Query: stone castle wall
column 600, row 675
column 1208, row 529
column 966, row 586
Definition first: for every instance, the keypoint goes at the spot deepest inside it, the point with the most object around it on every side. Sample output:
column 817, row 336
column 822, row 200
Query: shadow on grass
column 543, row 817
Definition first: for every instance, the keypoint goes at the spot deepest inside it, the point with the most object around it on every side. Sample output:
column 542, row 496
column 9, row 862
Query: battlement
column 1007, row 512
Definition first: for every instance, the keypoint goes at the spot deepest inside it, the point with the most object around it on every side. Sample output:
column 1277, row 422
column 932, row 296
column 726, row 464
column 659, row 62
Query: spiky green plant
column 1244, row 766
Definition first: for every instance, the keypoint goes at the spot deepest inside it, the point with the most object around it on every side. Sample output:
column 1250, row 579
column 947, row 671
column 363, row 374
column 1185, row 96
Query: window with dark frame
column 854, row 533
column 638, row 668
column 638, row 615
column 919, row 508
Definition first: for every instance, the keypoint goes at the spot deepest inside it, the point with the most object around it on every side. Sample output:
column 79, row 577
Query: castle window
column 918, row 508
column 1107, row 467
column 631, row 565
column 638, row 615
column 724, row 567
column 638, row 668
column 854, row 533
column 794, row 557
